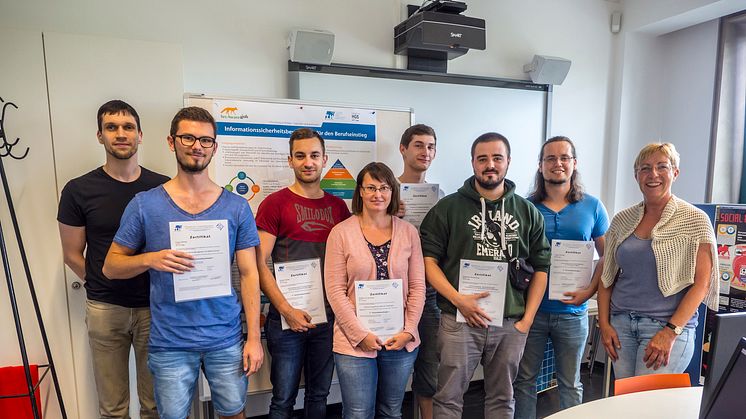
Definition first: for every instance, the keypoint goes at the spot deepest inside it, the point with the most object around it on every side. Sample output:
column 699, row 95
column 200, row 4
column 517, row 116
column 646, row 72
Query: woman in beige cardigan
column 373, row 245
column 659, row 266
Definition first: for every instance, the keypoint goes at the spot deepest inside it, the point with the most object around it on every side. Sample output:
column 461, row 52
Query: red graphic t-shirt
column 300, row 224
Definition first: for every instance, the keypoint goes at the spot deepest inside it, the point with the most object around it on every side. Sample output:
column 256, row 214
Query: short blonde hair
column 667, row 149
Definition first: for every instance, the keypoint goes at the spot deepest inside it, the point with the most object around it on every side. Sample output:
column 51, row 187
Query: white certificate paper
column 380, row 306
column 300, row 283
column 207, row 241
column 477, row 276
column 572, row 267
column 418, row 199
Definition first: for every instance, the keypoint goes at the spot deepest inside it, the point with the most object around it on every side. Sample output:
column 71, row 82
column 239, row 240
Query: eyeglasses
column 188, row 140
column 659, row 168
column 371, row 190
column 553, row 159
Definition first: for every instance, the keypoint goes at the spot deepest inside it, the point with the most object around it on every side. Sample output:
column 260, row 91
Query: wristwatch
column 676, row 329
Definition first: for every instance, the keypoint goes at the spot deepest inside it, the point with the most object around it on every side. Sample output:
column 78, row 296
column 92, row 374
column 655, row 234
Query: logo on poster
column 230, row 112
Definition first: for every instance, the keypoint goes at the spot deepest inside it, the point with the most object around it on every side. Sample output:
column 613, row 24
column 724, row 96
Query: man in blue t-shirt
column 195, row 322
column 569, row 214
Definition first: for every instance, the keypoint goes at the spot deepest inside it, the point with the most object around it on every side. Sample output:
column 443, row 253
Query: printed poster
column 730, row 237
column 252, row 162
column 730, row 232
column 252, row 154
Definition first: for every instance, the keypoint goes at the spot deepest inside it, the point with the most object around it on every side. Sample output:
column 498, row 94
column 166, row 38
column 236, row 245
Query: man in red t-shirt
column 293, row 224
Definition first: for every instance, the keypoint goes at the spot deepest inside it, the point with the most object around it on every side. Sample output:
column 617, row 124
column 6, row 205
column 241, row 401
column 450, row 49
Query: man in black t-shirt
column 117, row 312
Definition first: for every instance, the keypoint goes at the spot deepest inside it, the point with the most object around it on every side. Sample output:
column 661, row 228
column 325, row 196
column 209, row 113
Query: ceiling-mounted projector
column 436, row 33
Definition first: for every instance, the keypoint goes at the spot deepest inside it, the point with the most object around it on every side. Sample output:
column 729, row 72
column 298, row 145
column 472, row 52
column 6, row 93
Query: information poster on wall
column 730, row 236
column 252, row 155
column 730, row 231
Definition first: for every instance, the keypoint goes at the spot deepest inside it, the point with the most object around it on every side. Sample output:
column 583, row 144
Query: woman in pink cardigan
column 373, row 245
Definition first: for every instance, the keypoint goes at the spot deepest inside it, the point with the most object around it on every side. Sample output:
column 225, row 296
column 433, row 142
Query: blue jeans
column 635, row 331
column 175, row 374
column 292, row 352
column 374, row 387
column 568, row 332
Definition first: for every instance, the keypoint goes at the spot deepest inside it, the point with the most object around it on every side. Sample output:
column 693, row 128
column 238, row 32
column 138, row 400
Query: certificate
column 380, row 306
column 475, row 276
column 300, row 283
column 207, row 241
column 572, row 267
column 418, row 199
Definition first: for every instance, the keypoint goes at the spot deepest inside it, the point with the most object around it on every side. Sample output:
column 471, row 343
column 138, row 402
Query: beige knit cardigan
column 676, row 238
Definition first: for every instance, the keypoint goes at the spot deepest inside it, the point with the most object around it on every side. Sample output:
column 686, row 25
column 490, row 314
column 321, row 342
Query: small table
column 672, row 403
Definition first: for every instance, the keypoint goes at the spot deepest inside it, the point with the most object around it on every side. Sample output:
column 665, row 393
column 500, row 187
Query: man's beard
column 556, row 181
column 192, row 167
column 489, row 184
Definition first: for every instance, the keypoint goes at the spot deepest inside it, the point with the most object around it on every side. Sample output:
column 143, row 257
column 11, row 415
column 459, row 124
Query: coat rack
column 7, row 150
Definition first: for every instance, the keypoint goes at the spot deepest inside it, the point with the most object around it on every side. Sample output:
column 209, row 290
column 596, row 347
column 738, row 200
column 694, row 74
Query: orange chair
column 650, row 382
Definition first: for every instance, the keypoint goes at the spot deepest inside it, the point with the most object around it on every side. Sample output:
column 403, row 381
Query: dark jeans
column 425, row 376
column 292, row 352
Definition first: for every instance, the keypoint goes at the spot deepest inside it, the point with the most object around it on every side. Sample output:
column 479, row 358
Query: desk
column 672, row 403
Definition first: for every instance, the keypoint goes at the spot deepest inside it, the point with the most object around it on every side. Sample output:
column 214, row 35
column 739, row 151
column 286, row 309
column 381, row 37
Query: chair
column 650, row 382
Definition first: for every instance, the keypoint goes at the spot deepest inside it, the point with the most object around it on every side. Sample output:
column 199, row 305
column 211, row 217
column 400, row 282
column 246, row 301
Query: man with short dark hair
column 117, row 313
column 189, row 330
column 569, row 214
column 417, row 148
column 294, row 224
column 484, row 222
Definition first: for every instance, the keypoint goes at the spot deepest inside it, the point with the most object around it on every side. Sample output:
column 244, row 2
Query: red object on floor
column 13, row 381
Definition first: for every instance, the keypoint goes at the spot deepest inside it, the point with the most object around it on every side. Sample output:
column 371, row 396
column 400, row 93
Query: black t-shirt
column 96, row 201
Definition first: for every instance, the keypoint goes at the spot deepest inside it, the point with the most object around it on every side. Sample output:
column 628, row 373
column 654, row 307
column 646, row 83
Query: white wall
column 667, row 95
column 665, row 90
column 639, row 114
column 238, row 48
column 32, row 185
column 686, row 102
column 577, row 30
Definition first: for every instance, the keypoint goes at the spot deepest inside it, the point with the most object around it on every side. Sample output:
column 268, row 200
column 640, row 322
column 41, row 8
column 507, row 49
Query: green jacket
column 456, row 228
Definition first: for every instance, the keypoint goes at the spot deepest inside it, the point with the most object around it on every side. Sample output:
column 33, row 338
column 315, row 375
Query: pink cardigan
column 348, row 259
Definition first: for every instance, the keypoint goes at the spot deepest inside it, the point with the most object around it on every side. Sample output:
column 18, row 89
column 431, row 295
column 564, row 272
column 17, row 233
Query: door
column 83, row 73
column 33, row 190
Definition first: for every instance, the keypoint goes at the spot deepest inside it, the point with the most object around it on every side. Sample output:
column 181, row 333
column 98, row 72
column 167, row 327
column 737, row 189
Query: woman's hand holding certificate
column 380, row 306
column 370, row 343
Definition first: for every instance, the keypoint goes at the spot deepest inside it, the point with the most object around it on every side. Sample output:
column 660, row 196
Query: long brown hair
column 539, row 193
